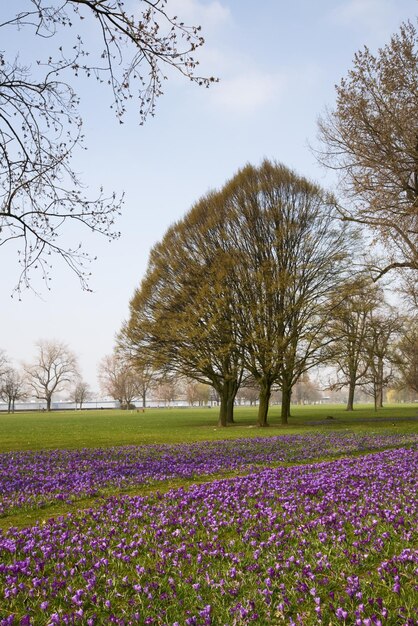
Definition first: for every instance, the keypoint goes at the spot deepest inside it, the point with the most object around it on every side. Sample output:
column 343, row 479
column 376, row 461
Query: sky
column 278, row 63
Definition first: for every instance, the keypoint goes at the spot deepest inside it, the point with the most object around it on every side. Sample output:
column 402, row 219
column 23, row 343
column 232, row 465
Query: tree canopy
column 240, row 285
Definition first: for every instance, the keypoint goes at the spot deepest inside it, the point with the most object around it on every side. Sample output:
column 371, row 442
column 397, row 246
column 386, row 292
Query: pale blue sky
column 278, row 62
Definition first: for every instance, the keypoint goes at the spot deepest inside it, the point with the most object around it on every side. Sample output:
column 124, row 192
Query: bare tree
column 80, row 393
column 248, row 392
column 349, row 327
column 54, row 369
column 371, row 139
column 111, row 378
column 119, row 379
column 12, row 388
column 196, row 392
column 408, row 355
column 167, row 389
column 383, row 328
column 4, row 364
column 40, row 121
column 305, row 392
column 142, row 370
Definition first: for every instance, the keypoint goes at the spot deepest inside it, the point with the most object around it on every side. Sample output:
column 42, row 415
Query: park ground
column 75, row 430
column 161, row 517
column 101, row 428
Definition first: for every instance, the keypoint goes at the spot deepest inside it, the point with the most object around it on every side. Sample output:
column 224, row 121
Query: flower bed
column 331, row 543
column 32, row 479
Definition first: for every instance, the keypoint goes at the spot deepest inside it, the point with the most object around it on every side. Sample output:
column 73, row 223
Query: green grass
column 101, row 428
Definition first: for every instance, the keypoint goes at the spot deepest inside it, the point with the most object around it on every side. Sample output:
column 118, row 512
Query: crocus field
column 331, row 542
column 34, row 479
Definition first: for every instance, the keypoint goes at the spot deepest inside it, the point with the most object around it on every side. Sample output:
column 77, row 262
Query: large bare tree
column 40, row 121
column 53, row 370
column 371, row 139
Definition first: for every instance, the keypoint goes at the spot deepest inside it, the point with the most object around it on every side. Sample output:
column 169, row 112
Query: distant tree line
column 53, row 370
column 375, row 349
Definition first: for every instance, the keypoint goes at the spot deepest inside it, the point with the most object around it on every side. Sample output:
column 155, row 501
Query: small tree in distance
column 53, row 370
column 12, row 388
column 196, row 392
column 119, row 380
column 384, row 326
column 348, row 329
column 81, row 393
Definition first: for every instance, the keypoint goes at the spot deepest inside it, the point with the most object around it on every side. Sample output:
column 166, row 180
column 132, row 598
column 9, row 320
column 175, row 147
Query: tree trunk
column 222, row 420
column 230, row 409
column 48, row 403
column 227, row 395
column 232, row 392
column 380, row 398
column 350, row 401
column 380, row 385
column 286, row 397
column 263, row 406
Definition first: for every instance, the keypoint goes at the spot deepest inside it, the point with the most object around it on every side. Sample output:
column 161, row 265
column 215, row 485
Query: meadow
column 162, row 518
column 104, row 428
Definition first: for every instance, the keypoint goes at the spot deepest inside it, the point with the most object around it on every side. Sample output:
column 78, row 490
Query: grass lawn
column 79, row 429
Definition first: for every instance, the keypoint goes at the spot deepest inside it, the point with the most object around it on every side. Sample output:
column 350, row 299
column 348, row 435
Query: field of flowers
column 29, row 480
column 327, row 543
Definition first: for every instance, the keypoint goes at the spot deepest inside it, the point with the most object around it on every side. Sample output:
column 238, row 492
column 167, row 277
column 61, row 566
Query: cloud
column 247, row 93
column 206, row 14
column 374, row 15
column 244, row 89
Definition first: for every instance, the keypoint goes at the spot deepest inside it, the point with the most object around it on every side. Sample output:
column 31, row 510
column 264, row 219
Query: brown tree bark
column 286, row 397
column 350, row 401
column 263, row 407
